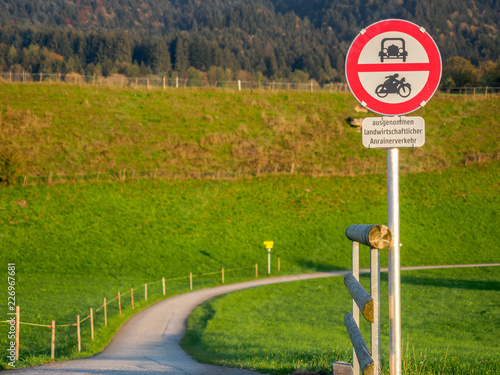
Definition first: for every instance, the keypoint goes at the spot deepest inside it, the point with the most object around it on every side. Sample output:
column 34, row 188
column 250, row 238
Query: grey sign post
column 393, row 67
column 394, row 261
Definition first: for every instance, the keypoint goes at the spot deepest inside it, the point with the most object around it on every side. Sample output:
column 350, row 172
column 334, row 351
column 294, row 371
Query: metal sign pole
column 268, row 261
column 355, row 308
column 269, row 245
column 394, row 262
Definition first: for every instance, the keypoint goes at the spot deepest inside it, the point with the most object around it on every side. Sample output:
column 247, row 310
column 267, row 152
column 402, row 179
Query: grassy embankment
column 74, row 244
column 86, row 130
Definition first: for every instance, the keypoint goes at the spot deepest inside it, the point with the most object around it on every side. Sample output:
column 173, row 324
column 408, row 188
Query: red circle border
column 393, row 109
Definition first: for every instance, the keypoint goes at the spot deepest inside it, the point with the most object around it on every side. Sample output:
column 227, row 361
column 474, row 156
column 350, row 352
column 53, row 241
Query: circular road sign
column 393, row 67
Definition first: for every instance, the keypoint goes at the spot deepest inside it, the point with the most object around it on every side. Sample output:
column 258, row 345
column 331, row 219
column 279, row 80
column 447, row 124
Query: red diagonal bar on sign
column 410, row 67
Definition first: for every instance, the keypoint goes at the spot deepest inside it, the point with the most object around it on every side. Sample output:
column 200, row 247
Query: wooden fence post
column 223, row 276
column 177, row 82
column 145, row 292
column 18, row 325
column 49, row 179
column 91, row 323
column 190, row 281
column 163, row 82
column 256, row 270
column 132, row 297
column 78, row 333
column 105, row 313
column 53, row 340
column 163, row 283
column 119, row 303
column 278, row 264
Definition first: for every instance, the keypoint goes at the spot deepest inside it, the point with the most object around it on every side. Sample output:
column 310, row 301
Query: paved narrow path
column 148, row 343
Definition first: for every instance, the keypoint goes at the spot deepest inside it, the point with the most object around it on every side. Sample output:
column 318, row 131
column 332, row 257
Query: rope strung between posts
column 123, row 294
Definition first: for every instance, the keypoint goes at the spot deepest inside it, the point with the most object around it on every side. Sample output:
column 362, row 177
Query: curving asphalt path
column 148, row 343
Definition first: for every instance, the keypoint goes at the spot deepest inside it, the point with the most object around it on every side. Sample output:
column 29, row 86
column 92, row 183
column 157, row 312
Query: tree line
column 294, row 40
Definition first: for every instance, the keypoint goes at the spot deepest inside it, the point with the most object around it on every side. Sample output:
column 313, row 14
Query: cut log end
column 380, row 237
column 368, row 311
column 369, row 370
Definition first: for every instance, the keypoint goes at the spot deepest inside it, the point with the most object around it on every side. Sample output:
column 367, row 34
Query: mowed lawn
column 450, row 321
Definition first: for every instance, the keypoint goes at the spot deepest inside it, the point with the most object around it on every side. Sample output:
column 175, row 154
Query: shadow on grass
column 307, row 264
column 444, row 283
column 193, row 334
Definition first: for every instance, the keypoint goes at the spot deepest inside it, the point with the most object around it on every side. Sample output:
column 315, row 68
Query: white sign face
column 393, row 132
column 393, row 67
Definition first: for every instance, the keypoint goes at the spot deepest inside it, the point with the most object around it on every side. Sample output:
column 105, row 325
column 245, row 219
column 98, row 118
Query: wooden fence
column 119, row 301
column 155, row 82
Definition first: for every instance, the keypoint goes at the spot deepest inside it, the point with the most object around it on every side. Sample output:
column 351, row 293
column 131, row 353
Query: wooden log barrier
column 359, row 344
column 360, row 296
column 376, row 236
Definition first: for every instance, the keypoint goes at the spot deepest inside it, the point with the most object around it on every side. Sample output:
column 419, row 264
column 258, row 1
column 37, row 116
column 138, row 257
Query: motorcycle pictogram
column 393, row 86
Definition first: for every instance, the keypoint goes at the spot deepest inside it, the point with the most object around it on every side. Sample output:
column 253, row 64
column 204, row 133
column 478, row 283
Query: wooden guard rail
column 376, row 237
column 360, row 296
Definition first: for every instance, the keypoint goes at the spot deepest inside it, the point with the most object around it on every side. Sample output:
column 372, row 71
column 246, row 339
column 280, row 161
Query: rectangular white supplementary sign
column 393, row 132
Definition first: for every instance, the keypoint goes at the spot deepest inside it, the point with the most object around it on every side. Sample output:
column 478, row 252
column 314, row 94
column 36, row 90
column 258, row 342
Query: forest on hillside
column 235, row 39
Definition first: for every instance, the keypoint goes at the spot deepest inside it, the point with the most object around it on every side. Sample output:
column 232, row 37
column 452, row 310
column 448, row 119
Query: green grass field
column 448, row 325
column 75, row 243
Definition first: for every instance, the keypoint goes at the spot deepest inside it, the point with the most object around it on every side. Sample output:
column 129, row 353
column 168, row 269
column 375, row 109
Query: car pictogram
column 396, row 50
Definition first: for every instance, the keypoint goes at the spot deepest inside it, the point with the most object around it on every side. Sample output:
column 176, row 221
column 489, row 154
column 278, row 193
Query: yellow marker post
column 269, row 245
